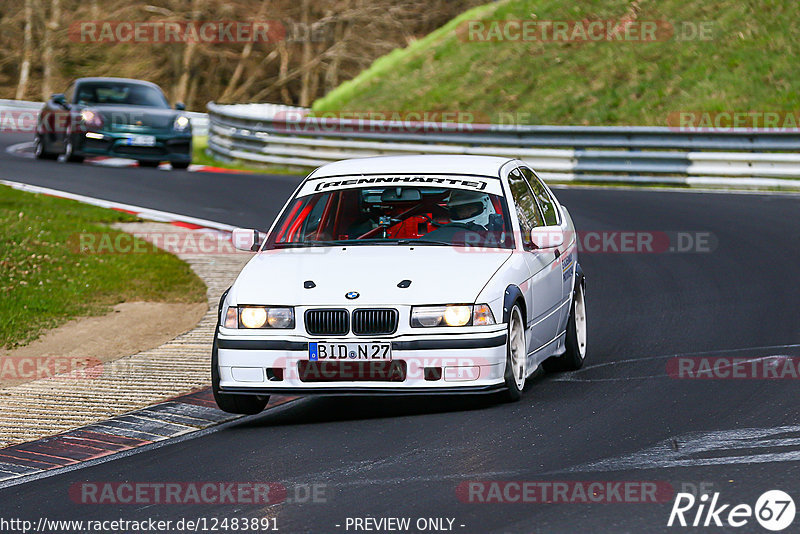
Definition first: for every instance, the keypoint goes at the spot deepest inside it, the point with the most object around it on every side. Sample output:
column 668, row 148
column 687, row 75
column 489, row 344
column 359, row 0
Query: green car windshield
column 121, row 94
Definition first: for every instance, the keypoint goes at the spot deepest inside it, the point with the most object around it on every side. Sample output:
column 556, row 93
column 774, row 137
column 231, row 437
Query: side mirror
column 60, row 99
column 180, row 106
column 246, row 239
column 546, row 237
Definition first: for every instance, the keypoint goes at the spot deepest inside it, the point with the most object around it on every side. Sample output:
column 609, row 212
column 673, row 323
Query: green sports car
column 115, row 117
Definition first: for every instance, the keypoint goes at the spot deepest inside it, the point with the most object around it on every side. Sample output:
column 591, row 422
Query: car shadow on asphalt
column 322, row 409
column 328, row 409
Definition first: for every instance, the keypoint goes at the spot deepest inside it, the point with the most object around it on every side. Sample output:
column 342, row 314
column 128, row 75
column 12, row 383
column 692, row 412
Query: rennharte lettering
column 478, row 185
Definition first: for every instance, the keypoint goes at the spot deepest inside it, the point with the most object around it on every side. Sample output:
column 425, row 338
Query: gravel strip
column 48, row 406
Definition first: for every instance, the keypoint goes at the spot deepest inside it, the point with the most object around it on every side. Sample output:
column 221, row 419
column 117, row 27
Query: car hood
column 438, row 275
column 125, row 118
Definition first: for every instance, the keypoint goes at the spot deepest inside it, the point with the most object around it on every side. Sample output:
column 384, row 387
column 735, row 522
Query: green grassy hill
column 748, row 64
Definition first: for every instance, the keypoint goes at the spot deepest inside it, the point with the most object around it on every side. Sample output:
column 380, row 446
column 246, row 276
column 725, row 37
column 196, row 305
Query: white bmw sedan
column 403, row 275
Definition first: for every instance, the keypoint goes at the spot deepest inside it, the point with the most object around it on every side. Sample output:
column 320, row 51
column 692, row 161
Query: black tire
column 69, row 155
column 238, row 404
column 148, row 163
column 575, row 355
column 180, row 164
column 513, row 391
column 40, row 149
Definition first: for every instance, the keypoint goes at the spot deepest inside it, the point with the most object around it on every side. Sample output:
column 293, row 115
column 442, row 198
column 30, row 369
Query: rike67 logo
column 774, row 510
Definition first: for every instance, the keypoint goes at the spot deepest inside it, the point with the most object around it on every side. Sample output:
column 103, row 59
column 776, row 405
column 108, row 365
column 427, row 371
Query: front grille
column 348, row 371
column 368, row 322
column 327, row 322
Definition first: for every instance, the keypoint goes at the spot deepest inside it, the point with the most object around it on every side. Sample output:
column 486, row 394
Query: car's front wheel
column 69, row 150
column 40, row 149
column 576, row 338
column 180, row 164
column 240, row 404
column 516, row 356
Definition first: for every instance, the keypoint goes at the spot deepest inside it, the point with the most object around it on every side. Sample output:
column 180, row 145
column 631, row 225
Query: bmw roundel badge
column 352, row 295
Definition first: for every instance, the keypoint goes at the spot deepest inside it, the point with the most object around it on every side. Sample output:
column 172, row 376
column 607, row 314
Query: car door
column 552, row 215
column 568, row 259
column 544, row 288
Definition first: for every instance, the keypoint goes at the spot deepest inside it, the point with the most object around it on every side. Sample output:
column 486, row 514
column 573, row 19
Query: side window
column 527, row 210
column 549, row 210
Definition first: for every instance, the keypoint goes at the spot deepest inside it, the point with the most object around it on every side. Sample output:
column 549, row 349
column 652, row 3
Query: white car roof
column 451, row 164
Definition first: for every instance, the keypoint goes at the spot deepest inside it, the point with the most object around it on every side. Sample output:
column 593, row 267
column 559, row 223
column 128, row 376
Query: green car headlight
column 181, row 123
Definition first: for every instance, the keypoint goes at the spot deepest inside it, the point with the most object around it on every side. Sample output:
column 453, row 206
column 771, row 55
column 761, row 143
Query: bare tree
column 51, row 26
column 27, row 52
column 243, row 57
column 326, row 42
column 181, row 89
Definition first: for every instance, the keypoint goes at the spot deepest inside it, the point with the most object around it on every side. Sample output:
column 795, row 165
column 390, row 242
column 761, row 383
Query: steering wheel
column 430, row 220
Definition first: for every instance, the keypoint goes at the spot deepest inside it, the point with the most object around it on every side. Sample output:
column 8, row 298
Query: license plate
column 326, row 351
column 142, row 140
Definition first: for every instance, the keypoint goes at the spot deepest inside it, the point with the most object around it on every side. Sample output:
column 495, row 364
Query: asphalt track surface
column 621, row 418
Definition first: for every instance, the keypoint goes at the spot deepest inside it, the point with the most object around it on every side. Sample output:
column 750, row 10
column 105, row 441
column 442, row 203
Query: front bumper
column 169, row 146
column 467, row 363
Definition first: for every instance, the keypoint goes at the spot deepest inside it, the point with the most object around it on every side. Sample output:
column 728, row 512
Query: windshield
column 121, row 93
column 395, row 215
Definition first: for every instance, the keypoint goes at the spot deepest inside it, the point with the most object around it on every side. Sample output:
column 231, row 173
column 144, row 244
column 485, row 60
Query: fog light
column 432, row 373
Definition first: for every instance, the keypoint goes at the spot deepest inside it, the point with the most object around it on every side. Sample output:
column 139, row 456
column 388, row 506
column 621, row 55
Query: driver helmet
column 469, row 207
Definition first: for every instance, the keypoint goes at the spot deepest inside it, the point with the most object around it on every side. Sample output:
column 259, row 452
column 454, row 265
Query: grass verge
column 45, row 280
column 743, row 63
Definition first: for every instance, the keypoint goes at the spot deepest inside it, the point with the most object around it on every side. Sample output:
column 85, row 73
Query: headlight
column 91, row 118
column 259, row 317
column 181, row 123
column 451, row 315
column 280, row 317
column 253, row 317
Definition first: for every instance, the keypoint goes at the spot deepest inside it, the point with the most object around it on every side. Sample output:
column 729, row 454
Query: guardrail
column 199, row 120
column 280, row 135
